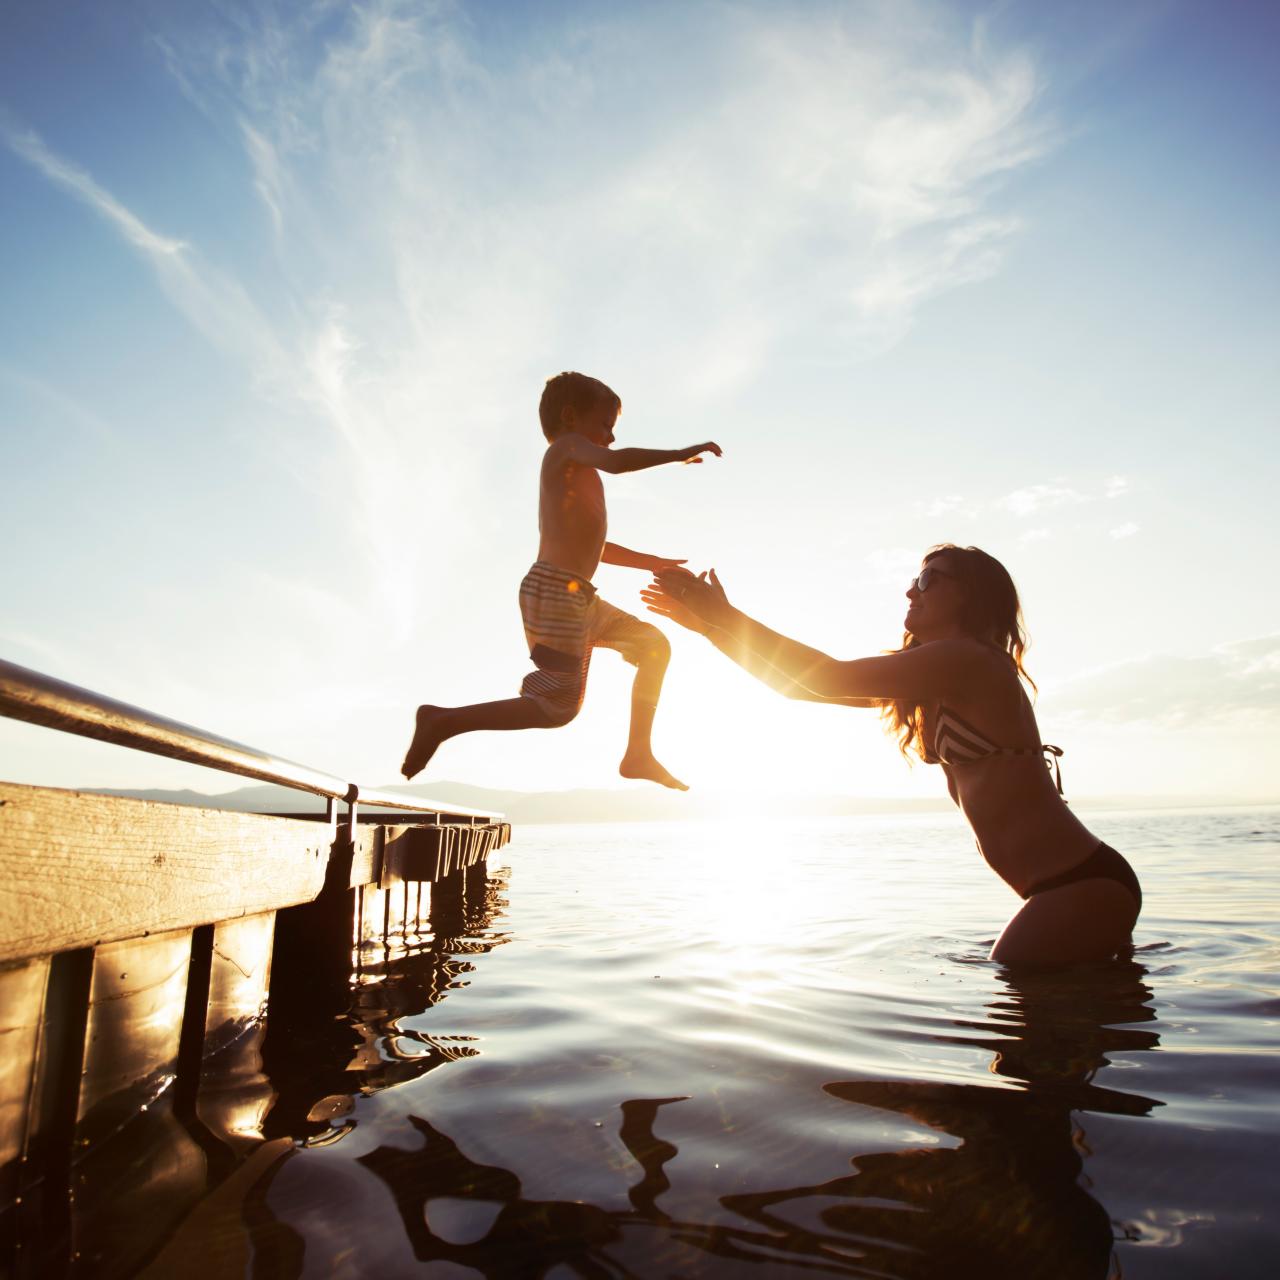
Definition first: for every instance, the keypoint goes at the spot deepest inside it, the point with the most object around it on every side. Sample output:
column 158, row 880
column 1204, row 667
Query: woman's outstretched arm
column 916, row 675
column 733, row 648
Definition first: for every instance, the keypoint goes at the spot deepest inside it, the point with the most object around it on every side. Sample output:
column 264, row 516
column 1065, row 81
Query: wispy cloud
column 442, row 210
column 949, row 504
column 215, row 302
column 1240, row 679
column 29, row 145
column 1044, row 496
column 1035, row 500
column 706, row 188
column 63, row 407
column 1041, row 497
column 840, row 163
column 304, row 368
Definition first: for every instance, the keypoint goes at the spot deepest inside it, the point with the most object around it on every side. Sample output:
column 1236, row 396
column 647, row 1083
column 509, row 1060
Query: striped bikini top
column 956, row 741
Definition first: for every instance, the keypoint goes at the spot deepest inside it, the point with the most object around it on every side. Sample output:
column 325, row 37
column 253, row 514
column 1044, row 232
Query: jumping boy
column 564, row 618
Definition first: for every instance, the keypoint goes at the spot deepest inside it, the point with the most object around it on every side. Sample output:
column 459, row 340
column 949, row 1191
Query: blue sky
column 282, row 284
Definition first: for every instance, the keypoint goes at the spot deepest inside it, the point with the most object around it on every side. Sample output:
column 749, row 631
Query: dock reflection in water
column 997, row 1191
column 288, row 1085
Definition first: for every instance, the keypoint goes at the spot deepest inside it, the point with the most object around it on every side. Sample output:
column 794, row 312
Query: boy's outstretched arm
column 579, row 449
column 625, row 558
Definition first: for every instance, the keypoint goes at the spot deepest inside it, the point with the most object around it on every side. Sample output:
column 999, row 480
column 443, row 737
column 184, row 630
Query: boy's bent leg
column 554, row 605
column 649, row 651
column 434, row 725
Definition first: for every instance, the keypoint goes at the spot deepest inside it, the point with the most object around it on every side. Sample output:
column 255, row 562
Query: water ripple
column 674, row 1056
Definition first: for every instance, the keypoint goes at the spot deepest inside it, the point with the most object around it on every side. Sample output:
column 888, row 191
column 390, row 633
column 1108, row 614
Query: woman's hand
column 661, row 602
column 679, row 595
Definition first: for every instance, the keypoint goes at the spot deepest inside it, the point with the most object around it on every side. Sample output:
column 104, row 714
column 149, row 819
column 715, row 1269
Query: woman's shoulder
column 969, row 663
column 966, row 652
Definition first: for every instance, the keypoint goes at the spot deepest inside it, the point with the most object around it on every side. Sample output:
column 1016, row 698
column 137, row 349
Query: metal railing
column 40, row 699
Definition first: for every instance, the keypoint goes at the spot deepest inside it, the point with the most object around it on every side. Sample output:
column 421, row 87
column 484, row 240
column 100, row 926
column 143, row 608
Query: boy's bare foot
column 426, row 738
column 646, row 767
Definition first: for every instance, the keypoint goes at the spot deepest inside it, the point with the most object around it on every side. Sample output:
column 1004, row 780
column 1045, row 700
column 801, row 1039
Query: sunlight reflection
column 747, row 909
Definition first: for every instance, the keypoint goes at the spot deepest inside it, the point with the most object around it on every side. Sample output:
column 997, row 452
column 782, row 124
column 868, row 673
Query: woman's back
column 984, row 734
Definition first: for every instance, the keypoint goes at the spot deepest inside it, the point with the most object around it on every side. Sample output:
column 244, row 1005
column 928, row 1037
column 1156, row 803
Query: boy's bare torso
column 572, row 521
column 572, row 527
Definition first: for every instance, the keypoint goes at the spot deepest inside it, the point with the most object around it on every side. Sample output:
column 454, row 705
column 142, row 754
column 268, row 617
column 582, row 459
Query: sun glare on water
column 749, row 903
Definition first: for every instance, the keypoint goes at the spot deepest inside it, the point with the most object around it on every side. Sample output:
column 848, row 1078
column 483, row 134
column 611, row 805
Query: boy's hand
column 625, row 558
column 694, row 451
column 657, row 564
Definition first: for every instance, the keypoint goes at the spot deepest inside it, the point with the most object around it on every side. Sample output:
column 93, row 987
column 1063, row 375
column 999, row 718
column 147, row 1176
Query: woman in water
column 954, row 695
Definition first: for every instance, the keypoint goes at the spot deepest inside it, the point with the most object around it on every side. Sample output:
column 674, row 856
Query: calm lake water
column 777, row 1049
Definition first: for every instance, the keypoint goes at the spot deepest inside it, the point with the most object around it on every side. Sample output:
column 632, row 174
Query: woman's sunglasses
column 926, row 575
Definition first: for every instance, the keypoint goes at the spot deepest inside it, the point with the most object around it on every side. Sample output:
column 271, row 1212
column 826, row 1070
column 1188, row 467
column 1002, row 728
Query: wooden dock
column 143, row 944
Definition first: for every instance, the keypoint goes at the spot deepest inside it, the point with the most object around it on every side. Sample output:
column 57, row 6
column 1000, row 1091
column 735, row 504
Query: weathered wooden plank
column 452, row 840
column 81, row 869
column 372, row 910
column 447, row 906
column 366, row 856
column 136, row 1002
column 232, row 1095
column 396, row 913
column 414, row 853
column 238, row 978
column 467, row 849
column 36, row 1226
column 235, row 1093
column 22, row 988
column 135, row 1167
column 417, row 914
column 129, row 1192
column 475, row 886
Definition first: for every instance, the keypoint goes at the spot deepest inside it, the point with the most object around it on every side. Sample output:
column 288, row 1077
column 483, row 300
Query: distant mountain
column 629, row 804
column 638, row 804
column 255, row 799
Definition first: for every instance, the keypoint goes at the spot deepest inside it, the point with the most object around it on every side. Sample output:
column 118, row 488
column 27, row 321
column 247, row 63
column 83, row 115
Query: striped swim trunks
column 564, row 619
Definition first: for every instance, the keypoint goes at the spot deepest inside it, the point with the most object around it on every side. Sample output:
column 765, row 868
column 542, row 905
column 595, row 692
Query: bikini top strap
column 1052, row 755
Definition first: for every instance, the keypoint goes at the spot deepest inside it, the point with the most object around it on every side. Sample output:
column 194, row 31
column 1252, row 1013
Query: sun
column 742, row 740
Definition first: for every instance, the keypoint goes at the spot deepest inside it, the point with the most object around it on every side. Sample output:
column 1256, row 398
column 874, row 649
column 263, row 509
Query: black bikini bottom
column 1104, row 863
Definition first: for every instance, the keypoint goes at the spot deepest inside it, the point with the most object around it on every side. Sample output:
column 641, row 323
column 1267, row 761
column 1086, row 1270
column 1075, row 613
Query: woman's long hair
column 990, row 612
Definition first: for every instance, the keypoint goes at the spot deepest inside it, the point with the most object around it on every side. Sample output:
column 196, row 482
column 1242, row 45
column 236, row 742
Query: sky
column 283, row 282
